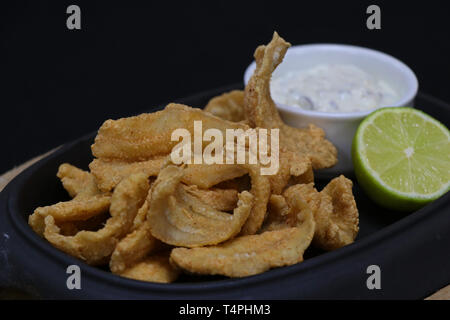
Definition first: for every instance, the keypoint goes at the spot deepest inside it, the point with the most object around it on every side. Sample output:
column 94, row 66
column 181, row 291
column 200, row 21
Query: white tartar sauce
column 332, row 88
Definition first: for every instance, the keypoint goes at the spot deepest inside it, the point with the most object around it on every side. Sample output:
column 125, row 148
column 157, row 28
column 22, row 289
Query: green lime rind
column 376, row 189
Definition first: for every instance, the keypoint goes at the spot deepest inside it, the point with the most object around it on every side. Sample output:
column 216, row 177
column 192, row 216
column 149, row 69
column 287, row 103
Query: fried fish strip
column 76, row 181
column 180, row 219
column 335, row 212
column 79, row 208
column 145, row 136
column 88, row 200
column 228, row 106
column 261, row 112
column 291, row 167
column 155, row 268
column 133, row 248
column 252, row 254
column 108, row 173
column 96, row 247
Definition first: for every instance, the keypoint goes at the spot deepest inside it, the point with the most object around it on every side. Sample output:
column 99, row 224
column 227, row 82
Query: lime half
column 402, row 158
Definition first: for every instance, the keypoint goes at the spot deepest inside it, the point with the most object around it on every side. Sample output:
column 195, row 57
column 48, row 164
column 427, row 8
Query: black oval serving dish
column 412, row 250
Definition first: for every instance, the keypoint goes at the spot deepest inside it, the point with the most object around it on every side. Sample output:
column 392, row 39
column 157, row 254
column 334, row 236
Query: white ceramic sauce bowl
column 341, row 127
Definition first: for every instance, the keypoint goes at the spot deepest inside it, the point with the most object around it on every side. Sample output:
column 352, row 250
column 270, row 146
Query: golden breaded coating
column 141, row 216
column 155, row 268
column 285, row 212
column 261, row 111
column 145, row 136
column 279, row 215
column 261, row 192
column 76, row 181
column 249, row 255
column 96, row 247
column 206, row 176
column 292, row 167
column 218, row 199
column 178, row 218
column 133, row 248
column 71, row 228
column 79, row 208
column 228, row 106
column 108, row 173
column 335, row 212
column 88, row 200
column 338, row 212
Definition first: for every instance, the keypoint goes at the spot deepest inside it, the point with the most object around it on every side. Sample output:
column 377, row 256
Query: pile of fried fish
column 151, row 220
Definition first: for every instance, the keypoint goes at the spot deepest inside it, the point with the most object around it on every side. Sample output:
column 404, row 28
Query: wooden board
column 443, row 294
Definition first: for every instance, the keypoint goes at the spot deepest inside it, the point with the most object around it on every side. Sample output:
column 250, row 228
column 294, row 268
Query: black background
column 58, row 84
